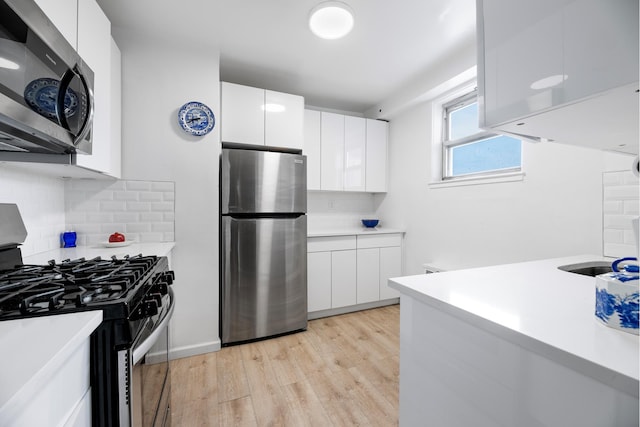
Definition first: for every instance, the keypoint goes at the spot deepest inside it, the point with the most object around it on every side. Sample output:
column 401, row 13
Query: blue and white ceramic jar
column 618, row 297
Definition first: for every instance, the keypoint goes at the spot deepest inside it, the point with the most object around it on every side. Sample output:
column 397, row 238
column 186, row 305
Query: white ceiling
column 267, row 43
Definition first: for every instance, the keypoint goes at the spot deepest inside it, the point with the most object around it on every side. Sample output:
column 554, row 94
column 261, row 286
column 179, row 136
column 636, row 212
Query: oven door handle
column 142, row 348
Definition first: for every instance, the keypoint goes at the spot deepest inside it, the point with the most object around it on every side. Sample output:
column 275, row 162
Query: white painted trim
column 194, row 350
column 477, row 180
column 351, row 308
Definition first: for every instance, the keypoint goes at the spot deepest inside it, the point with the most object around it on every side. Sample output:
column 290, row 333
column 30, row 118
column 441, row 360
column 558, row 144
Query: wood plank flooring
column 342, row 371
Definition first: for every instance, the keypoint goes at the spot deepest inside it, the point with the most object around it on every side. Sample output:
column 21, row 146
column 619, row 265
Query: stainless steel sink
column 589, row 268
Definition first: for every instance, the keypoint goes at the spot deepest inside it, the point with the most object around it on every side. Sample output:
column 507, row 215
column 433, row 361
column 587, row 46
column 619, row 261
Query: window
column 470, row 151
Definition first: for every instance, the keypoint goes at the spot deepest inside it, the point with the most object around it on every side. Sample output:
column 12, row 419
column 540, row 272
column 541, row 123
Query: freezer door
column 264, row 277
column 262, row 182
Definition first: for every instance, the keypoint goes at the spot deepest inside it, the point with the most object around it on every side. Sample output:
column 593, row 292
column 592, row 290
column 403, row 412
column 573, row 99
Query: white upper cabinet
column 355, row 144
column 256, row 116
column 377, row 149
column 284, row 120
column 242, row 114
column 94, row 46
column 64, row 15
column 311, row 148
column 116, row 111
column 560, row 70
column 345, row 153
column 332, row 151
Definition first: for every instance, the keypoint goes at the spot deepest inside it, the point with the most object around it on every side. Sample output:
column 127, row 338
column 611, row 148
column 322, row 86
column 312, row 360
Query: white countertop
column 33, row 349
column 352, row 231
column 539, row 307
column 158, row 248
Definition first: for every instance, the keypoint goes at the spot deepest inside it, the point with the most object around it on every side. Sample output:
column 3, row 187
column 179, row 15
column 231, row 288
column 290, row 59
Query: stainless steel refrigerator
column 263, row 244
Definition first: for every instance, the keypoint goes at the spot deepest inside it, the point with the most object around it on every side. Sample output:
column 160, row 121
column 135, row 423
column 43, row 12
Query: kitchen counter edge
column 152, row 248
column 561, row 344
column 353, row 232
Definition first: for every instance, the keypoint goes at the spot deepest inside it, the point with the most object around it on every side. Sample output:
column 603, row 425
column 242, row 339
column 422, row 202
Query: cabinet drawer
column 379, row 241
column 331, row 243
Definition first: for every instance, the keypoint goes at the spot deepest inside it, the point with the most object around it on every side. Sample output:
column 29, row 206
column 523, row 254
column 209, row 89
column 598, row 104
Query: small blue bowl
column 370, row 223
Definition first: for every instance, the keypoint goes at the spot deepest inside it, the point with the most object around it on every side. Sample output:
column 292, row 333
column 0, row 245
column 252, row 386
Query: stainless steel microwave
column 46, row 91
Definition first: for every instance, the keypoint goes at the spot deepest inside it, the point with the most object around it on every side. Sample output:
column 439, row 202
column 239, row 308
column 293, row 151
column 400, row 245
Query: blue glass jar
column 68, row 239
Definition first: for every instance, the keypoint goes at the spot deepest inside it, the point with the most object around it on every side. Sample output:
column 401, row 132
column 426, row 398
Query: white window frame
column 440, row 146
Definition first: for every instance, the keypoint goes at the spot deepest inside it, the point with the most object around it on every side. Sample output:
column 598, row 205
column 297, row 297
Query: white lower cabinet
column 318, row 281
column 343, row 278
column 345, row 271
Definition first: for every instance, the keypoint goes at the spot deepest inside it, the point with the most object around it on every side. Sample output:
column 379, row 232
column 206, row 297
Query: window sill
column 478, row 180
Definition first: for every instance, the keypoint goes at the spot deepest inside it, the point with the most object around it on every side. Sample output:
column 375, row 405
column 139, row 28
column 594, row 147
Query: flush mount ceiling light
column 331, row 20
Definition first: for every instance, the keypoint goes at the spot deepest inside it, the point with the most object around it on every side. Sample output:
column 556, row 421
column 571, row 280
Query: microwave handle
column 62, row 90
column 86, row 126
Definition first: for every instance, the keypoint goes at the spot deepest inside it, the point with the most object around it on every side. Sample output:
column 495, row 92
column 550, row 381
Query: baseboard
column 194, row 350
column 351, row 308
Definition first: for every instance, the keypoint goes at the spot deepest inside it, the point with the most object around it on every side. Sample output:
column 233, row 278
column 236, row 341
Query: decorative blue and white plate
column 196, row 118
column 42, row 94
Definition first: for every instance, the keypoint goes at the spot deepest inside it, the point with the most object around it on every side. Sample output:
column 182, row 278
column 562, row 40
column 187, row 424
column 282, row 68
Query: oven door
column 150, row 383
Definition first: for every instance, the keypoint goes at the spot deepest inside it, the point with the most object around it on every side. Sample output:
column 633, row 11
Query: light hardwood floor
column 342, row 371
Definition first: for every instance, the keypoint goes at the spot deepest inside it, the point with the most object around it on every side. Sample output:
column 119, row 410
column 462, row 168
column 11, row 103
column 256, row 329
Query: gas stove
column 117, row 286
column 134, row 295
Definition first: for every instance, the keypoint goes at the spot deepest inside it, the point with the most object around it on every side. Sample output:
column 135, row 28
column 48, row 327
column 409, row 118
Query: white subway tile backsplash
column 153, row 217
column 142, row 210
column 163, row 186
column 615, row 207
column 138, row 185
column 126, row 195
column 141, row 227
column 619, row 207
column 631, row 207
column 138, row 206
column 163, row 207
column 112, row 206
column 151, row 196
column 127, row 217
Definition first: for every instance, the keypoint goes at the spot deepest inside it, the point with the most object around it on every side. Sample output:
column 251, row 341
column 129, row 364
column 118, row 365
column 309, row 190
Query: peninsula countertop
column 539, row 307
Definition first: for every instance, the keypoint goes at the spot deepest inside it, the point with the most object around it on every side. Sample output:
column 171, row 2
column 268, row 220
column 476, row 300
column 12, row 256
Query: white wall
column 555, row 211
column 159, row 77
column 40, row 200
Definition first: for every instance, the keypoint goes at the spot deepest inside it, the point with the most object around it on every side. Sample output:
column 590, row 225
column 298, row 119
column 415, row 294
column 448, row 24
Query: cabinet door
column 318, row 281
column 116, row 111
column 343, row 278
column 354, row 153
column 94, row 46
column 284, row 120
column 368, row 275
column 312, row 148
column 377, row 136
column 242, row 114
column 64, row 15
column 390, row 266
column 332, row 151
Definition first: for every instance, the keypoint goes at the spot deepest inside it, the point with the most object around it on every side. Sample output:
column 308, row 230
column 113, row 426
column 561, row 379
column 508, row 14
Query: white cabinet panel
column 242, row 114
column 560, row 70
column 94, row 46
column 331, row 243
column 318, row 281
column 376, row 169
column 379, row 240
column 311, row 148
column 116, row 112
column 354, row 153
column 390, row 266
column 368, row 262
column 343, row 278
column 284, row 120
column 332, row 151
column 64, row 15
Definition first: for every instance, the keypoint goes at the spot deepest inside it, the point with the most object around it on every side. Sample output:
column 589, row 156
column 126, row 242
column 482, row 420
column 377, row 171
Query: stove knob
column 168, row 277
column 155, row 297
column 150, row 308
column 161, row 287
